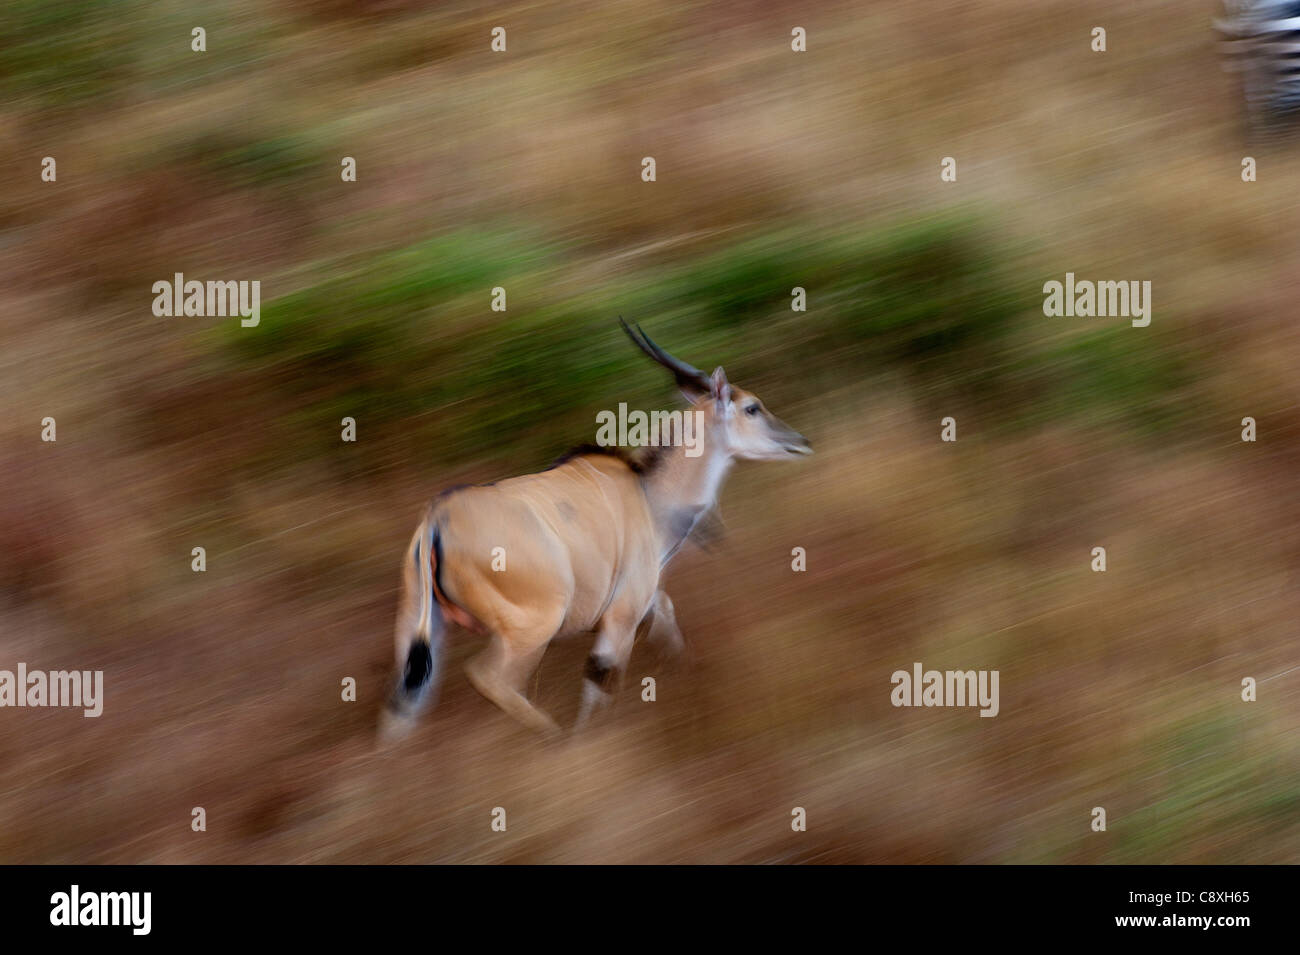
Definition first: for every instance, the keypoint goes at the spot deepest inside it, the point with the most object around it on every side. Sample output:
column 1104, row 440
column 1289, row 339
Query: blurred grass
column 405, row 340
column 59, row 55
column 776, row 170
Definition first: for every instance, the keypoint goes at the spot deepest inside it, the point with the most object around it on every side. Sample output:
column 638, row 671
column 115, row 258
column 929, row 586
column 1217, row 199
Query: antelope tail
column 420, row 625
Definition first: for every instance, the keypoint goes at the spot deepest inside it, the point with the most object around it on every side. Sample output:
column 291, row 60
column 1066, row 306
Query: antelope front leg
column 660, row 626
column 605, row 665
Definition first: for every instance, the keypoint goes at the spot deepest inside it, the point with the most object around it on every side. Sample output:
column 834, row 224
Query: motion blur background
column 775, row 169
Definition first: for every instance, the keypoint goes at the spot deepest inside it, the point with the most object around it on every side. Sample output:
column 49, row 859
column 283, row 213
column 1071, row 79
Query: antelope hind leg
column 501, row 671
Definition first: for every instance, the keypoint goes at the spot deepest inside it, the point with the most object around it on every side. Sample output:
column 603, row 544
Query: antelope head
column 735, row 419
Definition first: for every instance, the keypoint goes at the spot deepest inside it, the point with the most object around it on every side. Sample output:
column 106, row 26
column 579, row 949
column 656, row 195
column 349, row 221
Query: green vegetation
column 406, row 339
column 64, row 54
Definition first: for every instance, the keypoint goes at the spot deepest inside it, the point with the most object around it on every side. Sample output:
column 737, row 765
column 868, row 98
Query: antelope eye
column 751, row 409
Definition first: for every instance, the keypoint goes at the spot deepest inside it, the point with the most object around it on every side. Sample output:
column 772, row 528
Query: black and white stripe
column 1261, row 40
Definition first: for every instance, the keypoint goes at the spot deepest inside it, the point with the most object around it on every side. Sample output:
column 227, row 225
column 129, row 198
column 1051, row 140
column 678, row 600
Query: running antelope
column 576, row 548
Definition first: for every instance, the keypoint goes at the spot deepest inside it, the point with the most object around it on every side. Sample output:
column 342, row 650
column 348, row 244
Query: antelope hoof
column 393, row 727
column 547, row 727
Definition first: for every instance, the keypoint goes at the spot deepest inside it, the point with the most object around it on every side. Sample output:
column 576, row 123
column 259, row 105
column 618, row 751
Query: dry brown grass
column 1118, row 690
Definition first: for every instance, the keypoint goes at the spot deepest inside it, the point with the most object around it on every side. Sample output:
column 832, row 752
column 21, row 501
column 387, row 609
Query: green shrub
column 65, row 54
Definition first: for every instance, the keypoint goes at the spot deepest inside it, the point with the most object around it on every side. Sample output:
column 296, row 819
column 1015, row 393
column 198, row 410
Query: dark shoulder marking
column 640, row 464
column 449, row 491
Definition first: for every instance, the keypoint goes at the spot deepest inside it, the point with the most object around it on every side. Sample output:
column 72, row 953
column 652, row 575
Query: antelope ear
column 691, row 393
column 721, row 388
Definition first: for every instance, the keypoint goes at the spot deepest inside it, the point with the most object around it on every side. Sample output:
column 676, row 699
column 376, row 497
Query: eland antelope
column 577, row 548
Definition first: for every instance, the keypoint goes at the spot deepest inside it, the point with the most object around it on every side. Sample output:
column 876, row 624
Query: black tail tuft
column 414, row 688
column 421, row 631
column 419, row 667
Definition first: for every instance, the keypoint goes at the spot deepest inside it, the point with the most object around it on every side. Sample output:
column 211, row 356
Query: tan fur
column 584, row 545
